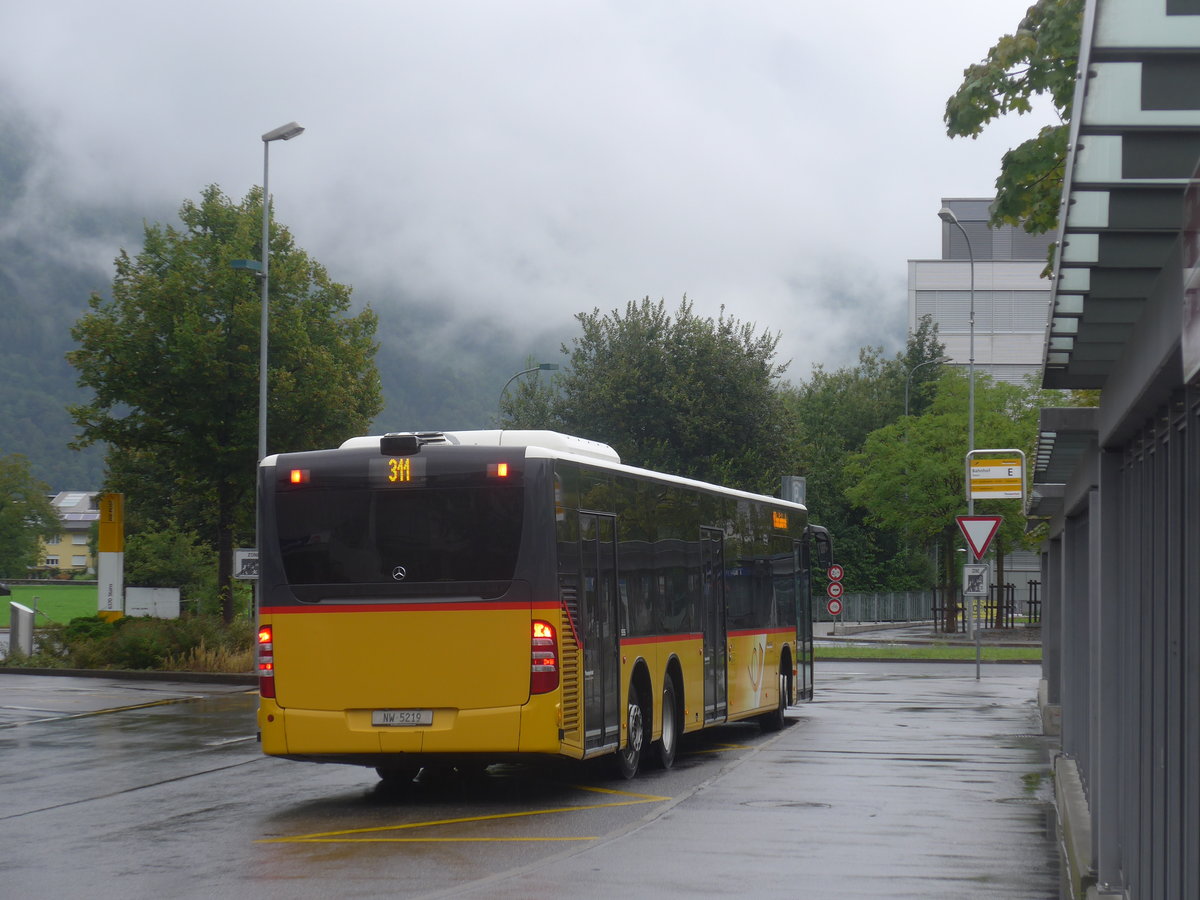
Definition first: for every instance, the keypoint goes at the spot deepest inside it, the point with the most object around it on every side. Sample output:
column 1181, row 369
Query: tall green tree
column 922, row 360
column 26, row 516
column 679, row 393
column 909, row 477
column 835, row 412
column 172, row 360
column 1040, row 59
column 172, row 558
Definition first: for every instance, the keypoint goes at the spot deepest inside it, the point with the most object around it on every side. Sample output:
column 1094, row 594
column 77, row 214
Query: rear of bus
column 405, row 611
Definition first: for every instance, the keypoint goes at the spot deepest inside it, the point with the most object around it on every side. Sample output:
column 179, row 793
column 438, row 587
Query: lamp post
column 908, row 379
column 282, row 133
column 947, row 216
column 540, row 367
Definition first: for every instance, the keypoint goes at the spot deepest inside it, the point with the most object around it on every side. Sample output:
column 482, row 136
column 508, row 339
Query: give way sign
column 979, row 531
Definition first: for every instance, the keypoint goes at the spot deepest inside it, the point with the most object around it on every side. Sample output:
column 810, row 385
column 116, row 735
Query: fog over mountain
column 482, row 172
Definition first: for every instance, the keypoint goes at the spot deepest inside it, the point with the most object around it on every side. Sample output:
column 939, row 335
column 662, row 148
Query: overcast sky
column 518, row 161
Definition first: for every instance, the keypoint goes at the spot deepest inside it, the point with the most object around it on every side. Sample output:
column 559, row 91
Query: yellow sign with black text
column 997, row 479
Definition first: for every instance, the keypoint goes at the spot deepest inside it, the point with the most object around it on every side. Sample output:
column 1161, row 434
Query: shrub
column 87, row 628
column 195, row 643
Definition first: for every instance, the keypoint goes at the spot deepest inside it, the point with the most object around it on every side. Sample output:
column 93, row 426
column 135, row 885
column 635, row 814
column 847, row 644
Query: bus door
column 804, row 621
column 602, row 651
column 712, row 600
column 816, row 553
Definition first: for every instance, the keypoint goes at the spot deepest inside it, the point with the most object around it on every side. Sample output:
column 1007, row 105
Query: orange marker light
column 502, row 470
column 299, row 476
column 266, row 661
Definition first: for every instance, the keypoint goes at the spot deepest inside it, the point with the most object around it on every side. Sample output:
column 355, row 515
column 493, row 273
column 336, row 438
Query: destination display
column 397, row 471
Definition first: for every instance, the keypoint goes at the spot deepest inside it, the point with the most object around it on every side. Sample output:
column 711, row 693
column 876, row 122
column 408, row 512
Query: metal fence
column 942, row 605
column 884, row 606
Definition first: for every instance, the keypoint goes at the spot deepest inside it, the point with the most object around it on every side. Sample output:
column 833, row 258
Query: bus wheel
column 629, row 756
column 669, row 742
column 774, row 720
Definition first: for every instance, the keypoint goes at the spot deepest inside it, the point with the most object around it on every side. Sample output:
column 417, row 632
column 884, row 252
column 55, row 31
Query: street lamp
column 540, row 367
column 282, row 133
column 947, row 216
column 908, row 379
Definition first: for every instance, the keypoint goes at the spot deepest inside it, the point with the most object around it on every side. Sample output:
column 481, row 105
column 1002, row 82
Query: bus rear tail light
column 266, row 662
column 543, row 667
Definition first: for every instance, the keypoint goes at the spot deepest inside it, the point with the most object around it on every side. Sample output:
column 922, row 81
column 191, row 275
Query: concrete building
column 1120, row 484
column 1012, row 300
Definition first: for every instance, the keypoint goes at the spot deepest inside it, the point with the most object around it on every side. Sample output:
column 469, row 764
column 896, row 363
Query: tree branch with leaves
column 1040, row 59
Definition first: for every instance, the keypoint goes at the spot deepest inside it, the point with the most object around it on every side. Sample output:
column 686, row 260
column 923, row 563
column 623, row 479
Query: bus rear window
column 386, row 537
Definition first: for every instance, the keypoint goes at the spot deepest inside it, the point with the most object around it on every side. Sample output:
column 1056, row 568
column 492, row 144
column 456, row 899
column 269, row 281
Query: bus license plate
column 401, row 717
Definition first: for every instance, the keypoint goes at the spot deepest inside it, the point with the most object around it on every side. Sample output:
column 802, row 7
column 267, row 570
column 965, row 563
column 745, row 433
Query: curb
column 140, row 675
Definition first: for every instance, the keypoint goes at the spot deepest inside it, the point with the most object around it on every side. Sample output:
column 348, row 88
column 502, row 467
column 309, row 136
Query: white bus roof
column 556, row 445
column 551, row 440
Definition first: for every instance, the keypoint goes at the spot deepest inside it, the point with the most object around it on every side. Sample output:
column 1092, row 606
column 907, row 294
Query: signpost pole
column 978, row 653
column 987, row 478
column 979, row 531
column 975, row 588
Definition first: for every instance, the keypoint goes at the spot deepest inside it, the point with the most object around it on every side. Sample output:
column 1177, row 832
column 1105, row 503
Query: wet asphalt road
column 900, row 780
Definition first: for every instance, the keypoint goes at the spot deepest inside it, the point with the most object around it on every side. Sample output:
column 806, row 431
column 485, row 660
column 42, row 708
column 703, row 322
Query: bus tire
column 629, row 757
column 667, row 745
column 774, row 720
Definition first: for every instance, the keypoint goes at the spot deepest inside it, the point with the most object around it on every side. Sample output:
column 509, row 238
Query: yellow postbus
column 463, row 598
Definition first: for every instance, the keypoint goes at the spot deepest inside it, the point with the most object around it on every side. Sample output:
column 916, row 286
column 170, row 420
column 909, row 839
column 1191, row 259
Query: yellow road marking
column 361, row 835
column 422, row 840
column 648, row 798
column 348, row 836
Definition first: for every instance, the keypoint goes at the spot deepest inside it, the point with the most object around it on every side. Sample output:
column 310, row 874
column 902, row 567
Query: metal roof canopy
column 1064, row 436
column 1135, row 140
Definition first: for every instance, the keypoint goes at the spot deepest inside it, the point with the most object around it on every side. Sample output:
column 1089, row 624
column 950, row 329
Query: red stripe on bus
column 660, row 639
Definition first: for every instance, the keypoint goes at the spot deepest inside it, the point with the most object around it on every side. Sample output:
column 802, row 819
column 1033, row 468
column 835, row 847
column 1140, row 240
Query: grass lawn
column 56, row 601
column 932, row 652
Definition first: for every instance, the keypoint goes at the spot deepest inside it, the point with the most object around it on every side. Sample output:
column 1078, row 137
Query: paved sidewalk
column 898, row 781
